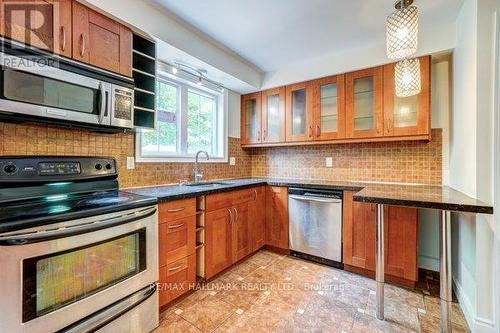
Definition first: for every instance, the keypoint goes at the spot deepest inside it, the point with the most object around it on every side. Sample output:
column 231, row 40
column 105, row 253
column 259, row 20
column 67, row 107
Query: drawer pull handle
column 175, row 210
column 175, row 226
column 176, row 268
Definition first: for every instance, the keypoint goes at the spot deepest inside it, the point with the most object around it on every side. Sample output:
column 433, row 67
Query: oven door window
column 53, row 281
column 44, row 91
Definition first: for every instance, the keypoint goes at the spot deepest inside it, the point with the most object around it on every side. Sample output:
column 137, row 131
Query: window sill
column 179, row 160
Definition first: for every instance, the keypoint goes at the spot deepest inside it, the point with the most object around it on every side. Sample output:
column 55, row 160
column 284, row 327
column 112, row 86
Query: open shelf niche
column 200, row 238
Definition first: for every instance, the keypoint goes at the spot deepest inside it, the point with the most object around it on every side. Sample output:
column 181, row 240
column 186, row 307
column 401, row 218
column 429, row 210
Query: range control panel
column 54, row 169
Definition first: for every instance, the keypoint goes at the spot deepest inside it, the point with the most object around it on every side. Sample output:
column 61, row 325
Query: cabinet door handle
column 175, row 226
column 254, row 195
column 230, row 215
column 310, row 131
column 264, row 136
column 318, row 131
column 258, row 136
column 176, row 268
column 63, row 42
column 82, row 45
column 235, row 214
column 175, row 210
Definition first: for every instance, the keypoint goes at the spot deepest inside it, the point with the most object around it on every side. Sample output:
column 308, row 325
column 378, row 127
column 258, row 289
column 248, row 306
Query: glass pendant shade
column 402, row 33
column 407, row 78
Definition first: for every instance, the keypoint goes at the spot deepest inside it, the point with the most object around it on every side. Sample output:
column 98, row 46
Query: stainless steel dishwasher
column 315, row 226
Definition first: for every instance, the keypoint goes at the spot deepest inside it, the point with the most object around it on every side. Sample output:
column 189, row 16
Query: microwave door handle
column 103, row 102
column 47, row 235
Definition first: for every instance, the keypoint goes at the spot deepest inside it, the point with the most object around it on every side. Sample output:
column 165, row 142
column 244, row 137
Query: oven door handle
column 47, row 235
column 101, row 318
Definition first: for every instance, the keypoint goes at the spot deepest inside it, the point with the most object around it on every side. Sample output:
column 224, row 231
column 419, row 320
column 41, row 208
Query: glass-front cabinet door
column 364, row 98
column 273, row 115
column 251, row 118
column 404, row 116
column 329, row 108
column 299, row 112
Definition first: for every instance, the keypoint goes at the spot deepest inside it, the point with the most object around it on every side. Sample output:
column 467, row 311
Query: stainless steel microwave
column 51, row 92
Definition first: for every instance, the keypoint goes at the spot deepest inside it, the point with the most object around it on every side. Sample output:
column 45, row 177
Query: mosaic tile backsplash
column 411, row 162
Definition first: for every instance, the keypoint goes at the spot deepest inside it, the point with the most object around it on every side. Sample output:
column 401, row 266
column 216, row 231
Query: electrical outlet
column 329, row 162
column 130, row 162
column 232, row 161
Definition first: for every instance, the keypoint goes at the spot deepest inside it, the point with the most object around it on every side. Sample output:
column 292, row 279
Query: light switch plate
column 130, row 162
column 329, row 162
column 232, row 161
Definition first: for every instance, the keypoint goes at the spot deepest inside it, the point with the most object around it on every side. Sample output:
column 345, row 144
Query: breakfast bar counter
column 443, row 198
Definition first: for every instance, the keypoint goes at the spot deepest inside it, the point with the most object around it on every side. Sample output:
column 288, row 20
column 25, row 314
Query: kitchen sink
column 209, row 184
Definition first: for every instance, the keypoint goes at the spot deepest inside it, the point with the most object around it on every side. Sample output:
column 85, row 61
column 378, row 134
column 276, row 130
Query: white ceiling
column 273, row 34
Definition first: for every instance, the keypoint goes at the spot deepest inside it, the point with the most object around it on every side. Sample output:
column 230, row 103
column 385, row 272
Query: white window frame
column 222, row 111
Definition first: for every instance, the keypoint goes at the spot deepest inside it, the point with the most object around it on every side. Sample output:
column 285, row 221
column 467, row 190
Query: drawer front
column 175, row 210
column 177, row 278
column 228, row 199
column 177, row 239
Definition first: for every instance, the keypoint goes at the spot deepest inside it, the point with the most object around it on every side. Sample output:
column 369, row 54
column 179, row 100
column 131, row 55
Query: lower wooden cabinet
column 257, row 218
column 401, row 239
column 241, row 232
column 277, row 217
column 177, row 278
column 218, row 241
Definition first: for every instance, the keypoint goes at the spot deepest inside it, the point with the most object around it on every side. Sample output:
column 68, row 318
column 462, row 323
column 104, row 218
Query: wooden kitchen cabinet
column 401, row 239
column 218, row 241
column 277, row 217
column 257, row 210
column 328, row 108
column 44, row 24
column 364, row 103
column 251, row 118
column 273, row 115
column 100, row 41
column 407, row 116
column 177, row 243
column 242, row 245
column 298, row 105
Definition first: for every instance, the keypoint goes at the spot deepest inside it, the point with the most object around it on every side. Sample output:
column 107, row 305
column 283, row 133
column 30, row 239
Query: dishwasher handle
column 314, row 199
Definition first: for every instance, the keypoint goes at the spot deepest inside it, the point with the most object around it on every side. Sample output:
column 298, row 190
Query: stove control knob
column 108, row 166
column 98, row 166
column 10, row 169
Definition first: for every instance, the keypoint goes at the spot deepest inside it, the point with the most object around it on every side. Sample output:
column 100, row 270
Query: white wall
column 234, row 114
column 471, row 151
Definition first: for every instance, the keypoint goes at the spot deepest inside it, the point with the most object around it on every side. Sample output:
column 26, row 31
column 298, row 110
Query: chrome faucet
column 197, row 174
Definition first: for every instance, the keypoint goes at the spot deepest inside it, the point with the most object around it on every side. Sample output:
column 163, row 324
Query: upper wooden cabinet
column 70, row 29
column 273, row 115
column 328, row 108
column 364, row 103
column 407, row 116
column 359, row 106
column 45, row 24
column 100, row 41
column 251, row 115
column 298, row 107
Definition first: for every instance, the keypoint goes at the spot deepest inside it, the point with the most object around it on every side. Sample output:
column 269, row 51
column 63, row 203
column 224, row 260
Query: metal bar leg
column 379, row 267
column 445, row 270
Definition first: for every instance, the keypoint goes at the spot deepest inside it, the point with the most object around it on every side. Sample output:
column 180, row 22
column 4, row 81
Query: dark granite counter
column 420, row 196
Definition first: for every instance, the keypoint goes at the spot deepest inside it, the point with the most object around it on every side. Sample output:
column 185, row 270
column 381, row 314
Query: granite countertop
column 420, row 196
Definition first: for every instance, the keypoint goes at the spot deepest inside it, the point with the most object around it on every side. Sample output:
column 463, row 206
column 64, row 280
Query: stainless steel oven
column 44, row 90
column 80, row 275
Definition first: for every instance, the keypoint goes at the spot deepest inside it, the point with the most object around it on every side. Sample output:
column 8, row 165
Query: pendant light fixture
column 407, row 78
column 402, row 30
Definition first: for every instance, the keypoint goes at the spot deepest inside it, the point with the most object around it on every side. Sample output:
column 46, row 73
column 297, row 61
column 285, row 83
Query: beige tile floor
column 274, row 293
